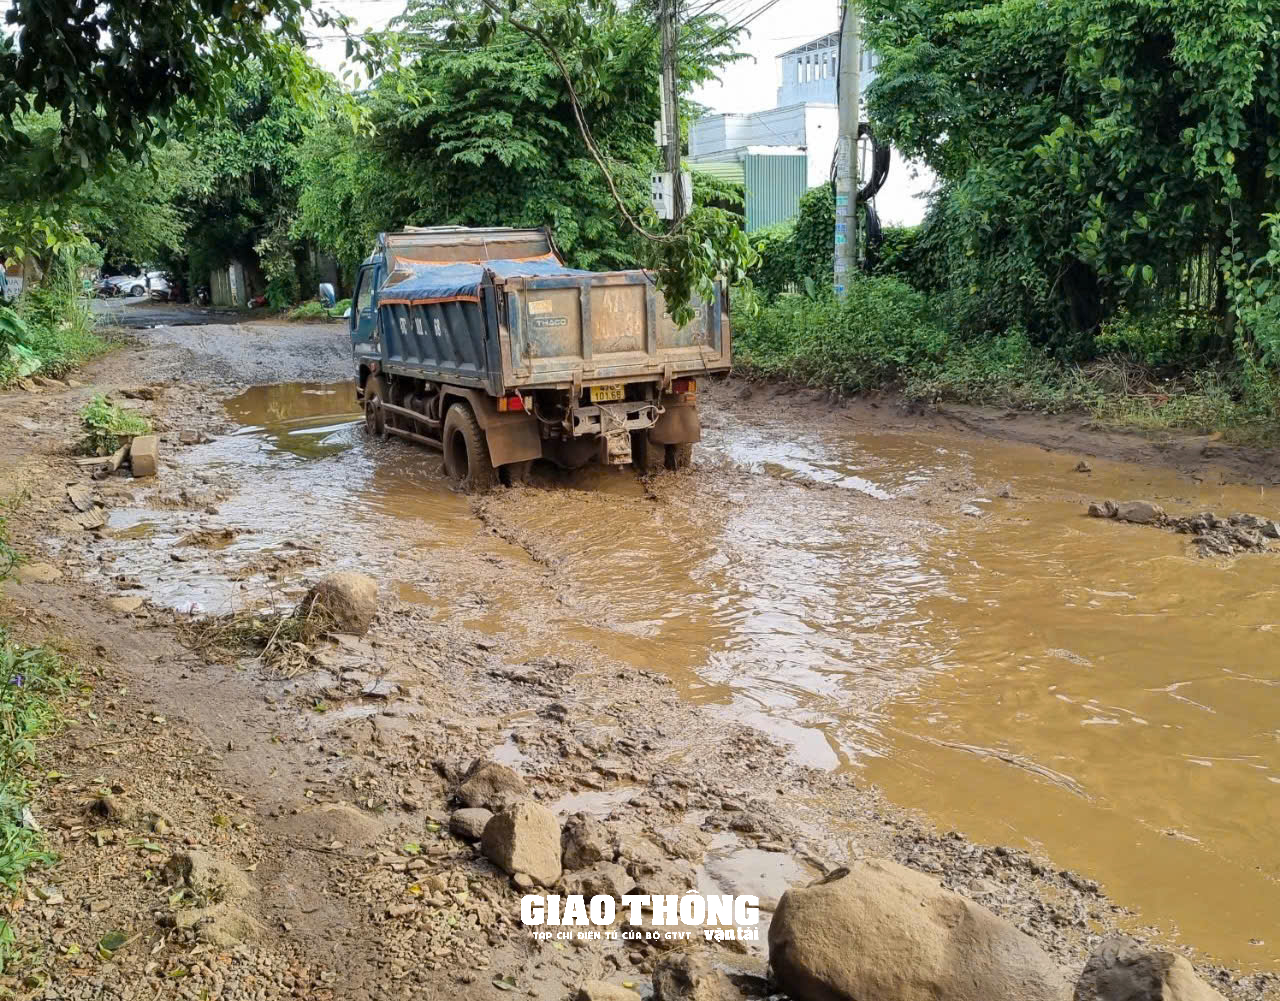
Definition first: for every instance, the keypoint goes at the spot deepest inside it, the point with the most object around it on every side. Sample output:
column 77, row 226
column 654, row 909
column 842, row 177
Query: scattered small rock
column 125, row 605
column 1083, row 467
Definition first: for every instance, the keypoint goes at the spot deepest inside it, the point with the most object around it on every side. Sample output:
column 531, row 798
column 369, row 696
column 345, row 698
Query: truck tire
column 647, row 457
column 466, row 453
column 680, row 456
column 515, row 474
column 375, row 418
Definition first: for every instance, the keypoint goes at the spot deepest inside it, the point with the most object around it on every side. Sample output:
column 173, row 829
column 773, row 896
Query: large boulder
column 347, row 599
column 1122, row 970
column 586, row 841
column 683, row 976
column 881, row 932
column 524, row 838
column 490, row 785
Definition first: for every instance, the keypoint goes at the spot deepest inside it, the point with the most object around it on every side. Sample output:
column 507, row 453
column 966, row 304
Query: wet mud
column 911, row 608
column 930, row 613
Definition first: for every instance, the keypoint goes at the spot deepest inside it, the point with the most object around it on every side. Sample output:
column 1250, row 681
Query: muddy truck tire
column 680, row 456
column 375, row 418
column 466, row 453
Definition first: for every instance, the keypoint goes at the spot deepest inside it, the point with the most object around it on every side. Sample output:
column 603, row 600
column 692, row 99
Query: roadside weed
column 105, row 424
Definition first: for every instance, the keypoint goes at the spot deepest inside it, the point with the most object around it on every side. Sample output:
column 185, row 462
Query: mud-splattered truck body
column 482, row 337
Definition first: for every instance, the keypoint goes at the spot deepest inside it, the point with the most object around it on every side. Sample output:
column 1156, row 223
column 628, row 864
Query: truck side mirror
column 327, row 295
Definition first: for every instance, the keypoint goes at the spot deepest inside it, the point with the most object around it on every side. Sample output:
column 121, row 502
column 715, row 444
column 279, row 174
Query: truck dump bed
column 526, row 321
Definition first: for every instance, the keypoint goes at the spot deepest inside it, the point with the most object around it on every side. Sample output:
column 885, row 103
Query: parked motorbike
column 202, row 295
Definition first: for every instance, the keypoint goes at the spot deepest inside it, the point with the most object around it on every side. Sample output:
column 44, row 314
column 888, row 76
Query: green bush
column 879, row 331
column 52, row 329
column 105, row 424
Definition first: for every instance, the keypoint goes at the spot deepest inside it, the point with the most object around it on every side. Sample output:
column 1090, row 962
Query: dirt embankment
column 327, row 794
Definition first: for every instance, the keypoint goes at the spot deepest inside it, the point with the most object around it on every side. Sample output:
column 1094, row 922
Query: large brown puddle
column 1031, row 677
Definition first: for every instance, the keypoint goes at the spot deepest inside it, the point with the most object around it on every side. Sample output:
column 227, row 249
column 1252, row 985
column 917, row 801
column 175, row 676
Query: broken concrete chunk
column 144, row 455
column 1122, row 970
column 124, row 605
column 524, row 838
column 879, row 931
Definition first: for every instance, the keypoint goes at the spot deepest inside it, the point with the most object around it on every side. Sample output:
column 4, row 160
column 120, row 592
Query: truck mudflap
column 678, row 425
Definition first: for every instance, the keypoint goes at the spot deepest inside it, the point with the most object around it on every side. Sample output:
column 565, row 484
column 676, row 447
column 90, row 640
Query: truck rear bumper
column 604, row 418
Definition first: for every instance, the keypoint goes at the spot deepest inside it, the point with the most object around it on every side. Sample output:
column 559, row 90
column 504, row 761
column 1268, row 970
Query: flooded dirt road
column 927, row 611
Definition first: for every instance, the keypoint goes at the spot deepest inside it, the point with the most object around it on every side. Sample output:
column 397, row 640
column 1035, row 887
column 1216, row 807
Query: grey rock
column 1140, row 512
column 585, row 841
column 878, row 931
column 1122, row 970
column 491, row 785
column 685, row 976
column 469, row 823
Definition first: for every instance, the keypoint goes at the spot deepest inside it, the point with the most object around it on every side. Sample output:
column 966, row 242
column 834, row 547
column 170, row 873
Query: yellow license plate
column 608, row 394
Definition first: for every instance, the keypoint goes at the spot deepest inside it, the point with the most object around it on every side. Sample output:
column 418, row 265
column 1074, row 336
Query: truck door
column 363, row 316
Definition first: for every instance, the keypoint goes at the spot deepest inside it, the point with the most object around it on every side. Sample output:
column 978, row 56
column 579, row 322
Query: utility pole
column 667, row 16
column 849, row 95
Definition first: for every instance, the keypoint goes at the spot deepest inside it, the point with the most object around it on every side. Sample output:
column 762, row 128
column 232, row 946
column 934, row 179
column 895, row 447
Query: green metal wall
column 775, row 185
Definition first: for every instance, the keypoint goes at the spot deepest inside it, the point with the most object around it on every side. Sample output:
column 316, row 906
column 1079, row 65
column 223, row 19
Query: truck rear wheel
column 375, row 418
column 466, row 453
column 680, row 456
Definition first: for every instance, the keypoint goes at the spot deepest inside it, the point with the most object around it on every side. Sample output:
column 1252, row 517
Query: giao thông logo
column 671, row 916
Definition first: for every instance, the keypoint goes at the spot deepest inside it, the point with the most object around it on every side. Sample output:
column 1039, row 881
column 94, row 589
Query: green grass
column 887, row 336
column 315, row 310
column 33, row 681
column 50, row 332
column 105, row 426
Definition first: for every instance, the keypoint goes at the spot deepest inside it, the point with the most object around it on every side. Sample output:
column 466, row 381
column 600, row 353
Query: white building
column 804, row 123
column 809, row 71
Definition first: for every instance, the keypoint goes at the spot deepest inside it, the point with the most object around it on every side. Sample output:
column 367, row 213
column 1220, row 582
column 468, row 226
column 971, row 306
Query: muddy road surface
column 844, row 630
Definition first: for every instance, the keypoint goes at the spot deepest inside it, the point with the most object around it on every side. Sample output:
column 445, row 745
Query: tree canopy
column 1096, row 155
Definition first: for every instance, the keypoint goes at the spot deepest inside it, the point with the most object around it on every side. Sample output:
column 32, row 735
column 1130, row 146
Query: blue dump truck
column 480, row 342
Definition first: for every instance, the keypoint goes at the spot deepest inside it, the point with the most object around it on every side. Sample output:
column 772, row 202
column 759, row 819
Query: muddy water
column 1030, row 677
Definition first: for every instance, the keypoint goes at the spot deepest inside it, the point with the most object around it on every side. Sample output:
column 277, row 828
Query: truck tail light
column 684, row 386
column 511, row 404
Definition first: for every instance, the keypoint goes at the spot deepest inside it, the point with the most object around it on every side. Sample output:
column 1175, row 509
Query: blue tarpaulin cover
column 452, row 282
